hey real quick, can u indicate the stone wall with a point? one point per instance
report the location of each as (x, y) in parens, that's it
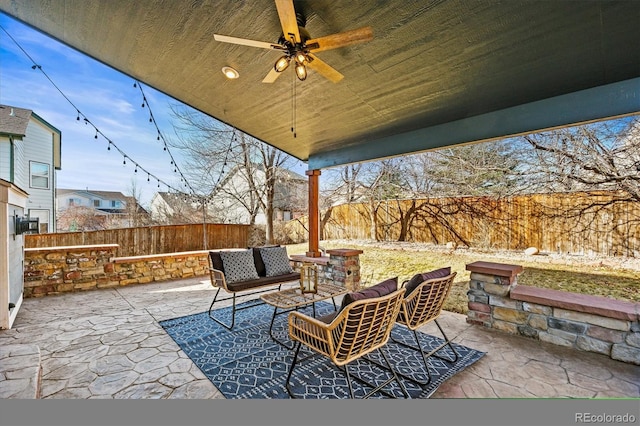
(583, 322)
(56, 270)
(161, 267)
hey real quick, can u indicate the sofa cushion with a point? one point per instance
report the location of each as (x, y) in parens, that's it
(257, 260)
(276, 261)
(381, 289)
(418, 279)
(262, 282)
(238, 265)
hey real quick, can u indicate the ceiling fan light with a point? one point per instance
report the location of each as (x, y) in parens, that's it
(281, 64)
(301, 58)
(301, 72)
(230, 73)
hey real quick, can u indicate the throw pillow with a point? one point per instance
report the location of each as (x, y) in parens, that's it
(257, 260)
(380, 289)
(238, 266)
(418, 279)
(276, 261)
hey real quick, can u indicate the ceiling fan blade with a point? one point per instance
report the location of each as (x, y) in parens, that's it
(325, 69)
(340, 39)
(246, 42)
(287, 15)
(272, 76)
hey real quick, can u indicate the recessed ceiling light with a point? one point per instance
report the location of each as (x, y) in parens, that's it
(230, 72)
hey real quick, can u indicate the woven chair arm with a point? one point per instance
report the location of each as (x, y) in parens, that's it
(217, 278)
(311, 332)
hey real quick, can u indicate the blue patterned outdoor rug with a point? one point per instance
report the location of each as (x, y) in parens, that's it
(247, 363)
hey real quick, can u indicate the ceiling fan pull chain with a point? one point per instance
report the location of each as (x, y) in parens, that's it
(293, 106)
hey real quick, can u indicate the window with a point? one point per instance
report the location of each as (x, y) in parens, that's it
(43, 215)
(115, 203)
(96, 203)
(39, 175)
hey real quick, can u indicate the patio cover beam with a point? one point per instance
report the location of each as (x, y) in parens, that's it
(314, 213)
(609, 101)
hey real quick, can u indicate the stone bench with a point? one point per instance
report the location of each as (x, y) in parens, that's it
(580, 321)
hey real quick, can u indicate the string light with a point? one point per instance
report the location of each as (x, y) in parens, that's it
(109, 141)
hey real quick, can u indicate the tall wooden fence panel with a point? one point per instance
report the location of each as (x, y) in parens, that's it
(578, 223)
(151, 239)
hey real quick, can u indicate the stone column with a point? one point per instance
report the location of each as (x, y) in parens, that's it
(489, 284)
(345, 267)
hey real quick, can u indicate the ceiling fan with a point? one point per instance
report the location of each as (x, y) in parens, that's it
(298, 47)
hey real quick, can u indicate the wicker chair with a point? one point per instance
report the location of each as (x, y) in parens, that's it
(420, 307)
(360, 328)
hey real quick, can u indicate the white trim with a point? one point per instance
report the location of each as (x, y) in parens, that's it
(14, 312)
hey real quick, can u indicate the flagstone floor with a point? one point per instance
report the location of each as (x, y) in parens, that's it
(108, 344)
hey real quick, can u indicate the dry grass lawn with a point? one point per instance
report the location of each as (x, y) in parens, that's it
(385, 260)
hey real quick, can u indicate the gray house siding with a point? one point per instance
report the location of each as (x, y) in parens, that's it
(38, 147)
(30, 153)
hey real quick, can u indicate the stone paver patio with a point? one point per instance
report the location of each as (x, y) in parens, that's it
(108, 344)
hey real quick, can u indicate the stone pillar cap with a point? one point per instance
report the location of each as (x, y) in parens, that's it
(497, 269)
(345, 252)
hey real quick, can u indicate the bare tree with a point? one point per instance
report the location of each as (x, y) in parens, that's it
(136, 215)
(223, 163)
(79, 218)
(593, 157)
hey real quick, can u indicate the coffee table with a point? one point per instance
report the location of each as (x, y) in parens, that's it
(292, 299)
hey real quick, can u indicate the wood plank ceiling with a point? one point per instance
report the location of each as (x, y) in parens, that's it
(437, 72)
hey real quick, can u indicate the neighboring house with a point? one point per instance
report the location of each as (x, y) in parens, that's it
(232, 197)
(232, 202)
(29, 156)
(88, 210)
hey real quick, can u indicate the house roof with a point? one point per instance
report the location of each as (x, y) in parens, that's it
(105, 195)
(14, 120)
(436, 73)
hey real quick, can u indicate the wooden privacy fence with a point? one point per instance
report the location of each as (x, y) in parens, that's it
(150, 239)
(578, 223)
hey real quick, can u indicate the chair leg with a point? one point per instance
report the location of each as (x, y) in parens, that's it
(234, 307)
(424, 355)
(380, 387)
(293, 363)
(395, 375)
(448, 343)
(233, 312)
(346, 373)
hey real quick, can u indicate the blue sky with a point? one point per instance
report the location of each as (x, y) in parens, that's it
(104, 96)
